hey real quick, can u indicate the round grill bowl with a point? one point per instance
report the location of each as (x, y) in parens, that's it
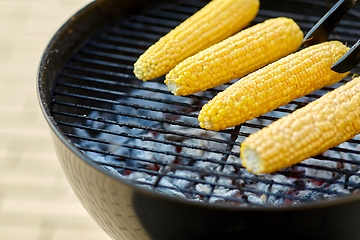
(126, 210)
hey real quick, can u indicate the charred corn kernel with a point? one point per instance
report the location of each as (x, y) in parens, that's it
(306, 132)
(280, 82)
(216, 21)
(236, 56)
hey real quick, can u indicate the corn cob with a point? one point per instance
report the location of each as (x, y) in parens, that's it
(235, 56)
(216, 21)
(273, 86)
(311, 130)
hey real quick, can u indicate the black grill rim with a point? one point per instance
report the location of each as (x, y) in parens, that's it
(75, 149)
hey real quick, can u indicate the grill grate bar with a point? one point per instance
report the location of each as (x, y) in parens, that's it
(297, 17)
(156, 21)
(144, 138)
(100, 71)
(123, 75)
(109, 55)
(333, 170)
(127, 104)
(343, 24)
(180, 123)
(117, 83)
(122, 31)
(188, 10)
(120, 164)
(166, 14)
(323, 186)
(196, 3)
(119, 94)
(354, 141)
(236, 177)
(242, 176)
(104, 141)
(345, 150)
(126, 40)
(129, 125)
(103, 63)
(114, 47)
(146, 28)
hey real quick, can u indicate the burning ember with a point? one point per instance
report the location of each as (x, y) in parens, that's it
(155, 141)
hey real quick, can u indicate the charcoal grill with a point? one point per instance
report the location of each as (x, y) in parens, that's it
(137, 159)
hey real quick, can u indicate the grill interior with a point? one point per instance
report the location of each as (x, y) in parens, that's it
(139, 131)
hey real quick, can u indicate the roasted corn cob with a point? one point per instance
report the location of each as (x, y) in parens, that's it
(235, 56)
(311, 130)
(216, 21)
(273, 86)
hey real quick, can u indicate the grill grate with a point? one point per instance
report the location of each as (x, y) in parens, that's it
(140, 131)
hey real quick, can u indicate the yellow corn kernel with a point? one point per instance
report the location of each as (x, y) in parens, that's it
(236, 56)
(306, 132)
(280, 82)
(216, 21)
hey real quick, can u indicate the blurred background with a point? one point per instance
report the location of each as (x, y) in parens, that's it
(36, 201)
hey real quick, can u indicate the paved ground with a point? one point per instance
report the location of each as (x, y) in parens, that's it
(36, 202)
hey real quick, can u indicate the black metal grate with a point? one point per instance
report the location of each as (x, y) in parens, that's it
(140, 131)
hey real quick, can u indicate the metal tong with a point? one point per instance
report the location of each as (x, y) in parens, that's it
(325, 26)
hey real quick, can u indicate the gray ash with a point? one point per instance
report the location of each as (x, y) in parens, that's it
(160, 147)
